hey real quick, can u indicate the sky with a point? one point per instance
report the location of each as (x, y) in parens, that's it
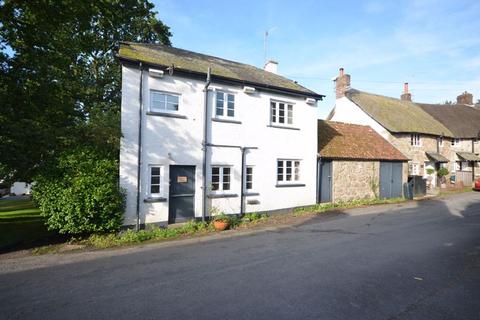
(433, 45)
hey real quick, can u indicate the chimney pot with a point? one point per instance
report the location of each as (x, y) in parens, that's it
(406, 96)
(342, 84)
(465, 98)
(271, 66)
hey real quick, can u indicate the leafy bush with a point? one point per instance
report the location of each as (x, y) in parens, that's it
(442, 172)
(253, 216)
(430, 171)
(80, 194)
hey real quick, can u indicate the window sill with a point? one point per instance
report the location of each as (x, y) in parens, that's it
(290, 185)
(150, 199)
(226, 120)
(166, 114)
(282, 127)
(251, 194)
(222, 195)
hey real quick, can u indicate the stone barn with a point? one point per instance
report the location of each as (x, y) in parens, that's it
(355, 162)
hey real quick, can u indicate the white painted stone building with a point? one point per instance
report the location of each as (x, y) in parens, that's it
(254, 151)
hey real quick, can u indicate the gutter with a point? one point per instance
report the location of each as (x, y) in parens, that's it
(139, 154)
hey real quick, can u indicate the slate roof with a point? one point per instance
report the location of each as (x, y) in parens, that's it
(468, 156)
(437, 157)
(166, 56)
(463, 121)
(338, 140)
(397, 116)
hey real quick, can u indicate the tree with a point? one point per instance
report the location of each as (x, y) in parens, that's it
(60, 81)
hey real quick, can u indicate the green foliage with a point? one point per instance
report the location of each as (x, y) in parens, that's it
(430, 171)
(253, 217)
(80, 194)
(442, 172)
(60, 85)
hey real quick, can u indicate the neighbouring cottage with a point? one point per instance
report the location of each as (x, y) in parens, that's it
(420, 136)
(200, 132)
(462, 152)
(355, 162)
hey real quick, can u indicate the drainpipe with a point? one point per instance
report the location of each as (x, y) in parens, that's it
(243, 179)
(473, 162)
(139, 155)
(319, 161)
(205, 148)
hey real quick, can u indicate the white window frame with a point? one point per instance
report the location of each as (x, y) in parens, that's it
(225, 107)
(160, 184)
(414, 168)
(221, 177)
(251, 175)
(295, 171)
(415, 140)
(153, 109)
(288, 113)
(440, 142)
(455, 142)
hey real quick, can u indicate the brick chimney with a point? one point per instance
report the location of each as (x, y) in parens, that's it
(407, 96)
(465, 98)
(342, 84)
(271, 66)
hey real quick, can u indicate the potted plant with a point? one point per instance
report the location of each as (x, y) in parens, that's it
(220, 220)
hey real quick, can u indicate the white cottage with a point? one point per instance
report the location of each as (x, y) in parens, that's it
(200, 132)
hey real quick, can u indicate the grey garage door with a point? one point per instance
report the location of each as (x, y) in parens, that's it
(390, 180)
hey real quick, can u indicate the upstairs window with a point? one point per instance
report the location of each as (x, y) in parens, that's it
(415, 140)
(163, 102)
(414, 168)
(221, 178)
(281, 113)
(288, 171)
(455, 142)
(440, 141)
(224, 104)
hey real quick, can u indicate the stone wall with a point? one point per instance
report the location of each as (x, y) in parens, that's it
(353, 180)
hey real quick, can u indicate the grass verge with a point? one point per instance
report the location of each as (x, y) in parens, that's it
(323, 207)
(454, 191)
(21, 224)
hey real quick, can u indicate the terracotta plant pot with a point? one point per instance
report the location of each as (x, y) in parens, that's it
(220, 225)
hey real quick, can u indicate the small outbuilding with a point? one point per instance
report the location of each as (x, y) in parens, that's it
(355, 162)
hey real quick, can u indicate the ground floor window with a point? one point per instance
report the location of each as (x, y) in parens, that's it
(221, 178)
(249, 178)
(156, 173)
(288, 171)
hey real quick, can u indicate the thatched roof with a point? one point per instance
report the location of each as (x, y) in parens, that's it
(337, 140)
(463, 121)
(398, 116)
(183, 60)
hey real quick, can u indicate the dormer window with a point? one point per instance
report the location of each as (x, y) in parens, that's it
(415, 140)
(455, 142)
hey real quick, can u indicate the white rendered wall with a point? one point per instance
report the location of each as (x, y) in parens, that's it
(173, 141)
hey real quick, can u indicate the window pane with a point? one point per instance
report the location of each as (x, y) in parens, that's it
(226, 186)
(274, 111)
(219, 104)
(155, 171)
(281, 113)
(172, 107)
(290, 114)
(215, 186)
(172, 99)
(215, 178)
(249, 170)
(279, 177)
(297, 170)
(226, 171)
(215, 170)
(155, 189)
(288, 170)
(231, 98)
(219, 111)
(230, 112)
(155, 180)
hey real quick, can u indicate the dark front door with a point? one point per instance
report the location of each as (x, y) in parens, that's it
(390, 180)
(182, 193)
(326, 181)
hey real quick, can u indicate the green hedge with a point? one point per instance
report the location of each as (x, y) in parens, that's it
(81, 193)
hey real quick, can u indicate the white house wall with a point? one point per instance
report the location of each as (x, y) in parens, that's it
(173, 141)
